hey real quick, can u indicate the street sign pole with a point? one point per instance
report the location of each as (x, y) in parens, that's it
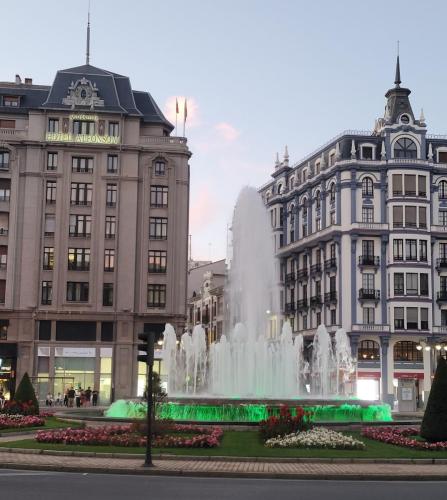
(149, 397)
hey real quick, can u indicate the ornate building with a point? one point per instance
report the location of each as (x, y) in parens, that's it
(94, 196)
(361, 232)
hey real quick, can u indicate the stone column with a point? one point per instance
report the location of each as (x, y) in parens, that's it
(385, 394)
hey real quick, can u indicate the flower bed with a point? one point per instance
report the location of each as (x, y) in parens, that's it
(318, 437)
(402, 437)
(20, 421)
(125, 435)
(13, 407)
(285, 423)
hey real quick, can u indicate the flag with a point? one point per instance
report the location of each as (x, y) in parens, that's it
(176, 106)
(186, 110)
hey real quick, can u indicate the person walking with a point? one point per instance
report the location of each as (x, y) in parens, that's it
(71, 397)
(95, 397)
(88, 396)
(78, 397)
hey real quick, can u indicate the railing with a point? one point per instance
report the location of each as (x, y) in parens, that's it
(72, 266)
(12, 133)
(378, 226)
(369, 260)
(369, 294)
(4, 197)
(4, 231)
(3, 265)
(441, 296)
(330, 297)
(302, 304)
(79, 234)
(441, 262)
(315, 300)
(442, 229)
(330, 263)
(302, 274)
(371, 327)
(315, 268)
(163, 140)
(290, 277)
(290, 307)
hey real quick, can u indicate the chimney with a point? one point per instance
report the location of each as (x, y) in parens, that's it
(18, 80)
(28, 81)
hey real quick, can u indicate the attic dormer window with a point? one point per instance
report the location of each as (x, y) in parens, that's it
(11, 101)
(405, 148)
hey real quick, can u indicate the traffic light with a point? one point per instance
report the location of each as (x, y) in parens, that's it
(147, 346)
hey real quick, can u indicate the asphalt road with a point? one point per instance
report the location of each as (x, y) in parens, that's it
(35, 485)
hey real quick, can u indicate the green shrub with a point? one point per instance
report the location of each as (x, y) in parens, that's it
(26, 396)
(434, 423)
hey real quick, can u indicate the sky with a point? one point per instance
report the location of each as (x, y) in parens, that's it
(258, 75)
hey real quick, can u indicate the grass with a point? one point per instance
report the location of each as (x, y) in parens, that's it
(50, 423)
(247, 444)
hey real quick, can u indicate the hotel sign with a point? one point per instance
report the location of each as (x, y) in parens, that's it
(82, 138)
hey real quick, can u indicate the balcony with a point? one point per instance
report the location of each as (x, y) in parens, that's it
(441, 263)
(290, 277)
(369, 261)
(370, 327)
(302, 305)
(302, 275)
(74, 266)
(330, 297)
(369, 294)
(315, 300)
(441, 297)
(4, 231)
(315, 269)
(330, 264)
(290, 308)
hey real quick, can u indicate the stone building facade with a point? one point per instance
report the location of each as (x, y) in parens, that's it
(94, 199)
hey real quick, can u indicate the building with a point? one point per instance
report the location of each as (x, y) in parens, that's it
(94, 197)
(206, 299)
(361, 232)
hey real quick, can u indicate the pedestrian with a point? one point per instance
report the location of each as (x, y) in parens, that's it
(59, 399)
(71, 397)
(94, 397)
(78, 397)
(88, 396)
(49, 399)
(2, 400)
(66, 397)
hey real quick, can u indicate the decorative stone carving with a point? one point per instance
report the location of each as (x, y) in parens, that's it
(83, 93)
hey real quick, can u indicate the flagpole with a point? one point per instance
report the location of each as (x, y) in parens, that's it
(176, 115)
(185, 114)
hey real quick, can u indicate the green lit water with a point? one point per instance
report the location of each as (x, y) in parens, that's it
(249, 412)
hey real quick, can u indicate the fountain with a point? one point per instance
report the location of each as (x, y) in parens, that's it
(253, 362)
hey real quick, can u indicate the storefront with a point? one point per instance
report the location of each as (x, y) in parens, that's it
(8, 367)
(368, 385)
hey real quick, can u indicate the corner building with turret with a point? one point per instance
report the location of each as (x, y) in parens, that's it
(361, 234)
(94, 197)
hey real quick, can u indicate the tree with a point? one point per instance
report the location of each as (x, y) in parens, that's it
(434, 423)
(26, 396)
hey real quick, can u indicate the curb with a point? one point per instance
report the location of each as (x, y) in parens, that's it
(207, 458)
(219, 474)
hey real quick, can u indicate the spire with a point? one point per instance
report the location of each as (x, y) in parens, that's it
(87, 54)
(286, 157)
(397, 80)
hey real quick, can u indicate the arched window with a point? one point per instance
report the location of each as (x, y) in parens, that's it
(369, 350)
(332, 192)
(279, 189)
(442, 190)
(292, 215)
(305, 209)
(318, 200)
(406, 351)
(291, 182)
(367, 187)
(405, 148)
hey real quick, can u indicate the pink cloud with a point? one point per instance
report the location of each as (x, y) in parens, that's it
(203, 208)
(192, 119)
(227, 131)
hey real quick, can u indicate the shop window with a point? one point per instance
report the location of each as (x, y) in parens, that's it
(76, 331)
(369, 350)
(107, 331)
(44, 330)
(406, 351)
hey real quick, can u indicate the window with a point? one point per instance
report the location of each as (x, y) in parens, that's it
(53, 125)
(318, 224)
(332, 193)
(443, 284)
(159, 167)
(399, 318)
(11, 101)
(405, 148)
(368, 281)
(52, 161)
(107, 294)
(5, 189)
(368, 315)
(406, 351)
(83, 127)
(50, 224)
(423, 250)
(333, 316)
(422, 217)
(156, 295)
(412, 318)
(81, 164)
(412, 284)
(80, 225)
(110, 228)
(442, 156)
(410, 185)
(423, 278)
(114, 129)
(367, 152)
(398, 249)
(443, 251)
(397, 184)
(332, 218)
(367, 187)
(398, 216)
(159, 196)
(48, 258)
(112, 164)
(47, 292)
(318, 200)
(4, 160)
(442, 190)
(2, 292)
(424, 318)
(50, 195)
(410, 216)
(368, 248)
(79, 259)
(77, 291)
(109, 259)
(422, 185)
(81, 193)
(443, 218)
(368, 214)
(411, 250)
(399, 284)
(3, 256)
(368, 350)
(304, 322)
(111, 194)
(281, 216)
(157, 261)
(158, 228)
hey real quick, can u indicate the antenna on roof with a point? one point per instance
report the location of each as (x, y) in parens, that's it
(397, 80)
(87, 58)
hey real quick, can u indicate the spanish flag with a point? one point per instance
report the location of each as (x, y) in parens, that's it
(186, 109)
(176, 106)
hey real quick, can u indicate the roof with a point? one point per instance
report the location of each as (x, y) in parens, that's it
(114, 89)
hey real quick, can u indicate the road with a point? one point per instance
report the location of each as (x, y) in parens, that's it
(36, 485)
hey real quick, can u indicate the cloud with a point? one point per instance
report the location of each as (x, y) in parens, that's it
(192, 119)
(203, 208)
(227, 131)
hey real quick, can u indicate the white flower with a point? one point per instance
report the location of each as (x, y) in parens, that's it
(318, 437)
